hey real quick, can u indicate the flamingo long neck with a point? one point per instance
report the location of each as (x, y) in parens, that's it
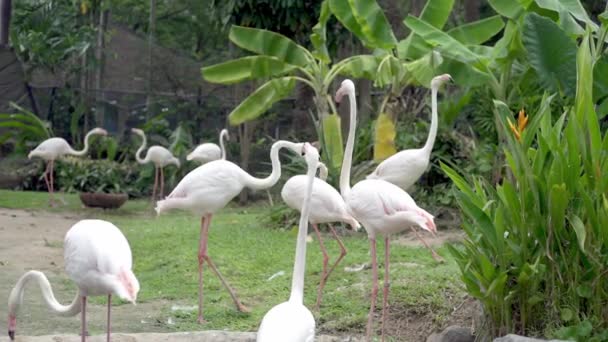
(350, 143)
(299, 268)
(141, 149)
(265, 183)
(223, 135)
(16, 296)
(430, 141)
(85, 149)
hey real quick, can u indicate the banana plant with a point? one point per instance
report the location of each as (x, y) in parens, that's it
(411, 61)
(282, 63)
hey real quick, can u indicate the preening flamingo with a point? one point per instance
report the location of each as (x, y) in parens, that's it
(157, 155)
(291, 320)
(207, 189)
(207, 152)
(381, 207)
(53, 148)
(327, 206)
(98, 259)
(406, 167)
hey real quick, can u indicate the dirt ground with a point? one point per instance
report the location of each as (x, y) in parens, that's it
(41, 235)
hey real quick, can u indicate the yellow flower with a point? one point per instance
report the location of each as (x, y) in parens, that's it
(522, 122)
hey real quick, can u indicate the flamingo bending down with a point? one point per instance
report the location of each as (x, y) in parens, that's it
(159, 156)
(291, 320)
(406, 167)
(382, 207)
(98, 259)
(207, 152)
(326, 206)
(207, 189)
(53, 148)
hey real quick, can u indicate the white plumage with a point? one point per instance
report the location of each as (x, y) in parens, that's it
(98, 259)
(207, 152)
(406, 167)
(291, 320)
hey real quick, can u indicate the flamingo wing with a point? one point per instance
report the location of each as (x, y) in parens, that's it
(402, 169)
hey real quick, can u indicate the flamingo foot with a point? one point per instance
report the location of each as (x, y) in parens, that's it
(201, 320)
(243, 308)
(438, 257)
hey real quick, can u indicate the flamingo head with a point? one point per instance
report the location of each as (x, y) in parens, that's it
(175, 161)
(323, 172)
(129, 286)
(426, 221)
(225, 131)
(137, 131)
(346, 87)
(439, 80)
(12, 325)
(310, 153)
(99, 131)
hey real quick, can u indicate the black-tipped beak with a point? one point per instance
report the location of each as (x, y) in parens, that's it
(11, 334)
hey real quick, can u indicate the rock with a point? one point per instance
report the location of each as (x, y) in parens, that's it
(517, 338)
(452, 333)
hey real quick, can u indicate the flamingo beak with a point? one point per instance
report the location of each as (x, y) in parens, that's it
(11, 335)
(12, 324)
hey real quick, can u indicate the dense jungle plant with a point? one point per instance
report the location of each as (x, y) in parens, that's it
(23, 128)
(86, 175)
(536, 252)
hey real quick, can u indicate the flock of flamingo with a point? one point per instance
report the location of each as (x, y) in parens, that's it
(98, 257)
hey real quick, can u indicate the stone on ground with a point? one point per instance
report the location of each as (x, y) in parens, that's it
(517, 338)
(452, 333)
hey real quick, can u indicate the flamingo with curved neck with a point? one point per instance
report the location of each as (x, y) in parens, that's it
(223, 135)
(381, 207)
(157, 155)
(207, 152)
(97, 259)
(54, 148)
(209, 188)
(291, 320)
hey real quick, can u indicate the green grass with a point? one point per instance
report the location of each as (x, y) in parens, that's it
(247, 253)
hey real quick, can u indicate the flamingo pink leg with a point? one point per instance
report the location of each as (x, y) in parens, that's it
(436, 256)
(370, 317)
(162, 182)
(203, 256)
(109, 325)
(342, 251)
(83, 333)
(155, 184)
(46, 175)
(386, 284)
(324, 271)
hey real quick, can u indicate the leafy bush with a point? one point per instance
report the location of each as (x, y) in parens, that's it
(536, 253)
(86, 175)
(24, 129)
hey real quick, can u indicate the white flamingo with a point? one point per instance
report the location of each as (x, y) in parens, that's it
(327, 206)
(54, 148)
(406, 167)
(98, 259)
(157, 155)
(291, 320)
(207, 189)
(207, 152)
(381, 207)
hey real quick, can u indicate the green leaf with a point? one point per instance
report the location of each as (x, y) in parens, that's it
(448, 46)
(584, 291)
(478, 32)
(566, 314)
(362, 66)
(507, 8)
(366, 20)
(246, 68)
(437, 12)
(332, 137)
(425, 68)
(579, 229)
(269, 43)
(572, 7)
(583, 103)
(319, 36)
(551, 53)
(262, 99)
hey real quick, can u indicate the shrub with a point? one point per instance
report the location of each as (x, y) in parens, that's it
(536, 252)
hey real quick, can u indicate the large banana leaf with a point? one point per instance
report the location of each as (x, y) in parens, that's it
(332, 138)
(448, 46)
(389, 71)
(551, 53)
(507, 8)
(246, 68)
(366, 20)
(479, 31)
(412, 47)
(384, 138)
(319, 36)
(361, 66)
(262, 99)
(425, 68)
(563, 7)
(437, 12)
(269, 43)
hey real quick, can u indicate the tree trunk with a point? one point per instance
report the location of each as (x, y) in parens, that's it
(245, 136)
(99, 72)
(5, 21)
(151, 33)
